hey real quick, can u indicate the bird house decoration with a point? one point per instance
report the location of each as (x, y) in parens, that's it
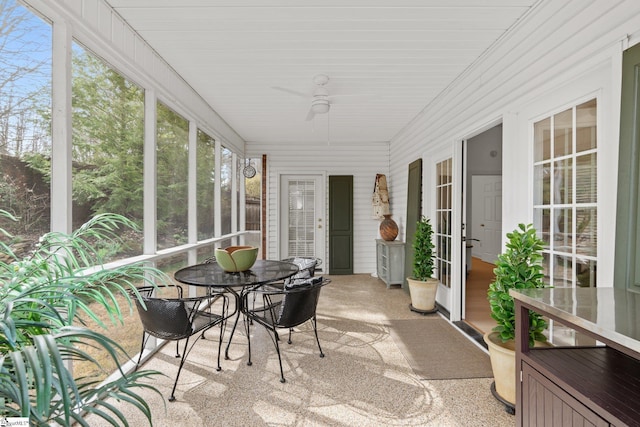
(380, 200)
(388, 227)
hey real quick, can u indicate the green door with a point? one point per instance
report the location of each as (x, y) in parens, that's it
(414, 209)
(627, 257)
(341, 224)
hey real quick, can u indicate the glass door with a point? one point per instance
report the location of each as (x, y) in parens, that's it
(302, 216)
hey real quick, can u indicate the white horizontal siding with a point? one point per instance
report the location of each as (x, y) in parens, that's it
(559, 44)
(363, 161)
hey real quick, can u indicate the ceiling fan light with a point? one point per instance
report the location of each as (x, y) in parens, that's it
(320, 106)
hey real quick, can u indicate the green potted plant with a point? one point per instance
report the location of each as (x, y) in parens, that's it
(519, 267)
(45, 298)
(422, 286)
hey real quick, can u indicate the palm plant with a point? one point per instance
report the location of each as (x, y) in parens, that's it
(44, 298)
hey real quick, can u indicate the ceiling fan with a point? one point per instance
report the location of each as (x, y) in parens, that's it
(320, 98)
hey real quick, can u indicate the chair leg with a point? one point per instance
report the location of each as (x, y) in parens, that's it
(177, 350)
(219, 368)
(279, 358)
(289, 340)
(235, 324)
(247, 329)
(184, 356)
(141, 351)
(315, 330)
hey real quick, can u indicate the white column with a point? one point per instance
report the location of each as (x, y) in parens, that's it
(234, 194)
(150, 178)
(217, 192)
(61, 129)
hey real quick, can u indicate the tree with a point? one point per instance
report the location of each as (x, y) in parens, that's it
(107, 122)
(25, 80)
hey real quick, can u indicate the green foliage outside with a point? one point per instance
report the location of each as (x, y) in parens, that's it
(108, 141)
(423, 256)
(44, 298)
(519, 267)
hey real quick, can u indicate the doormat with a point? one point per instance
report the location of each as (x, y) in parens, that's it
(436, 350)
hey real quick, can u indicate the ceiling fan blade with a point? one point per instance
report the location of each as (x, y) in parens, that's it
(310, 115)
(290, 91)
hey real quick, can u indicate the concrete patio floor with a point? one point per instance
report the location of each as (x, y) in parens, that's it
(364, 379)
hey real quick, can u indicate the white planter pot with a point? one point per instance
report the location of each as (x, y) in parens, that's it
(423, 294)
(503, 364)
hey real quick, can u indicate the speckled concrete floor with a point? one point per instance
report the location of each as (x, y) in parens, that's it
(364, 380)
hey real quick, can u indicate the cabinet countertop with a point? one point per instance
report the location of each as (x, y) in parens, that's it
(611, 313)
(390, 242)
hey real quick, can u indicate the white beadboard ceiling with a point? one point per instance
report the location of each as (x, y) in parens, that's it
(386, 59)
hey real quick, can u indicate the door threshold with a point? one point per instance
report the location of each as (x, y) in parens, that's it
(472, 332)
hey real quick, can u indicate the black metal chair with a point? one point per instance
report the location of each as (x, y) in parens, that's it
(175, 319)
(306, 267)
(286, 307)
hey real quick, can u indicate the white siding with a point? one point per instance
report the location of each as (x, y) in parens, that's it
(363, 161)
(561, 52)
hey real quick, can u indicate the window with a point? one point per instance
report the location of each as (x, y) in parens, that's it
(107, 123)
(253, 198)
(444, 188)
(565, 194)
(25, 122)
(225, 189)
(206, 161)
(172, 171)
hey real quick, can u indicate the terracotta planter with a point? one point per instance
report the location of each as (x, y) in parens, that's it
(503, 364)
(423, 295)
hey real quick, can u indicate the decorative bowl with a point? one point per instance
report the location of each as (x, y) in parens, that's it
(236, 258)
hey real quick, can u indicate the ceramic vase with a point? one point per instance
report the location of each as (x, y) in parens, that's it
(388, 229)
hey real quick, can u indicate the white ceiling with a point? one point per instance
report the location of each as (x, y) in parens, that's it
(392, 57)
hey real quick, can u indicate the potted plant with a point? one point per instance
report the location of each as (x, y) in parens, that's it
(423, 287)
(519, 267)
(45, 298)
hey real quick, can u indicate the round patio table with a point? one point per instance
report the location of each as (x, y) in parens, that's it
(211, 275)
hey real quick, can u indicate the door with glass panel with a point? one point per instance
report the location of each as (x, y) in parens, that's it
(442, 229)
(302, 216)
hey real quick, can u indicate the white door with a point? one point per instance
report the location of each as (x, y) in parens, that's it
(302, 216)
(441, 186)
(486, 202)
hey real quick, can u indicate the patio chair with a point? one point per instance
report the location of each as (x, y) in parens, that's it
(175, 319)
(286, 307)
(306, 267)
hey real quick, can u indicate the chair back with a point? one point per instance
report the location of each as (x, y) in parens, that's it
(299, 303)
(306, 267)
(164, 318)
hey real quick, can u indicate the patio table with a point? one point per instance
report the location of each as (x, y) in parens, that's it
(211, 275)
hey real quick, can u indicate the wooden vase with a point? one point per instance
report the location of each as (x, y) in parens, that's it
(388, 229)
